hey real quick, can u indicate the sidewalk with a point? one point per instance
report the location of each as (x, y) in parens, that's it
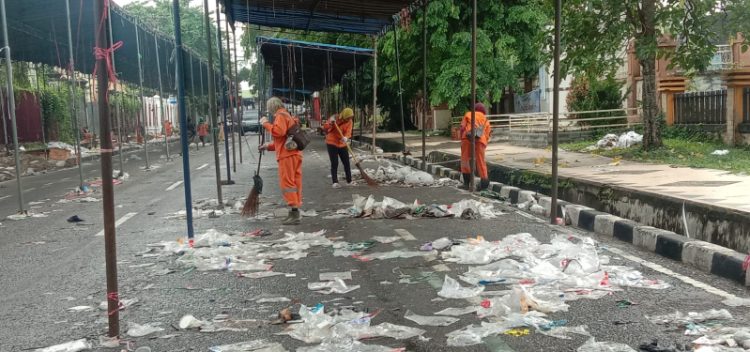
(720, 194)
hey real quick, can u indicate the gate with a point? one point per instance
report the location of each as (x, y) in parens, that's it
(746, 105)
(707, 108)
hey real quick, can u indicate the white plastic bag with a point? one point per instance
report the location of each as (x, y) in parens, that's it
(452, 289)
(592, 346)
(72, 346)
(429, 320)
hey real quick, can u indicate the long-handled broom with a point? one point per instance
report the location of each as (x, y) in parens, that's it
(370, 181)
(253, 199)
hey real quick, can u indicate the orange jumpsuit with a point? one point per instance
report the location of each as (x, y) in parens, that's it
(290, 161)
(481, 144)
(333, 137)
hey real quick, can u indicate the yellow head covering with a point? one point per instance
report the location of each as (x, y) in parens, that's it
(346, 113)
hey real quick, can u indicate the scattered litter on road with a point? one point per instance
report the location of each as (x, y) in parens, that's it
(109, 342)
(28, 215)
(254, 346)
(429, 320)
(72, 346)
(81, 309)
(348, 345)
(308, 213)
(137, 330)
(345, 275)
(328, 287)
(685, 320)
(452, 289)
(390, 208)
(440, 243)
(273, 300)
(593, 346)
(393, 254)
(386, 239)
(457, 311)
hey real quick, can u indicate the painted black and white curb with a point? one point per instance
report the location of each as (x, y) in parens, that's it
(717, 260)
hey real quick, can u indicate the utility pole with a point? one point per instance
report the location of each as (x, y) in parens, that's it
(118, 111)
(181, 110)
(472, 140)
(140, 91)
(230, 94)
(103, 70)
(12, 109)
(73, 98)
(213, 114)
(555, 111)
(223, 95)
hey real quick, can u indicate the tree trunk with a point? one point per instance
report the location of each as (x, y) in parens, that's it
(647, 59)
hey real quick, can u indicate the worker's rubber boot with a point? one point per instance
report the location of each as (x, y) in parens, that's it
(293, 218)
(467, 181)
(483, 184)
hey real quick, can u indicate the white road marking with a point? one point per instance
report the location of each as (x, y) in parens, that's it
(695, 283)
(202, 167)
(405, 235)
(174, 185)
(119, 222)
(29, 189)
(3, 197)
(65, 179)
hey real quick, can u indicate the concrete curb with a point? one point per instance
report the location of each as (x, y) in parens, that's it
(711, 258)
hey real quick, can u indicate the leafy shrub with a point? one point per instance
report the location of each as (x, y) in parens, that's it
(590, 95)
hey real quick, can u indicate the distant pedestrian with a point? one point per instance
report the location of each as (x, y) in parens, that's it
(167, 128)
(479, 136)
(288, 157)
(336, 142)
(202, 131)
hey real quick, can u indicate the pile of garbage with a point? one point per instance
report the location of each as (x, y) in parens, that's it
(542, 278)
(208, 208)
(394, 174)
(390, 208)
(71, 148)
(610, 141)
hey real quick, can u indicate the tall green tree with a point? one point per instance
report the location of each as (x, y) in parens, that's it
(595, 34)
(158, 15)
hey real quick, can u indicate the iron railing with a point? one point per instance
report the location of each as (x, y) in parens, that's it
(569, 121)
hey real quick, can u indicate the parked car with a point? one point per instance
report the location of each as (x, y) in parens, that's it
(250, 124)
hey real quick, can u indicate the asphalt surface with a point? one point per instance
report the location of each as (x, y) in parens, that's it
(50, 265)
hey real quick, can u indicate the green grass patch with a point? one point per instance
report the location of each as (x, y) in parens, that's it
(678, 151)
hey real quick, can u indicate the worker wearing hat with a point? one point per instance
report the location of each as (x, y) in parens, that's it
(336, 142)
(479, 136)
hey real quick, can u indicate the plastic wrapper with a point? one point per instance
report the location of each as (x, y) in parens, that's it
(386, 239)
(457, 311)
(347, 345)
(137, 330)
(680, 319)
(473, 334)
(483, 210)
(190, 322)
(593, 346)
(344, 275)
(72, 346)
(328, 287)
(429, 320)
(395, 254)
(254, 346)
(452, 289)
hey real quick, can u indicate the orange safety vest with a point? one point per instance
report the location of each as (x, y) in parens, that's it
(333, 137)
(480, 122)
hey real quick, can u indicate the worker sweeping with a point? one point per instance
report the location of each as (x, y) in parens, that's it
(202, 131)
(479, 136)
(288, 156)
(336, 142)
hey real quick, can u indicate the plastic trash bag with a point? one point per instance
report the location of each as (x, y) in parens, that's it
(254, 346)
(483, 210)
(137, 330)
(395, 254)
(386, 239)
(720, 152)
(593, 346)
(419, 178)
(473, 334)
(190, 322)
(72, 346)
(452, 289)
(429, 320)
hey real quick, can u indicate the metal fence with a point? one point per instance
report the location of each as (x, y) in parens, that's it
(707, 108)
(569, 121)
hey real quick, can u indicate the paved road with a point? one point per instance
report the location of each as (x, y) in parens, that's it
(49, 265)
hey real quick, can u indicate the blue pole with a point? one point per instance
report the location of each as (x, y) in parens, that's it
(223, 94)
(183, 119)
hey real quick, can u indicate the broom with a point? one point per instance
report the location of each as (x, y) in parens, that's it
(251, 203)
(370, 181)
